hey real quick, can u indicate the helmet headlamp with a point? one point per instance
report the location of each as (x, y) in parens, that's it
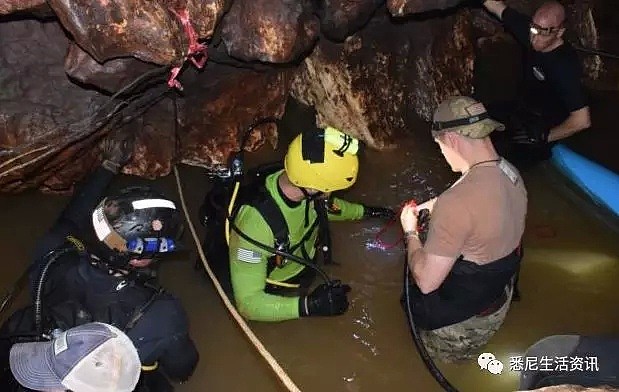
(536, 29)
(141, 246)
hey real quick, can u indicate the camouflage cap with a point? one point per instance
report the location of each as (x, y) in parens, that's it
(465, 116)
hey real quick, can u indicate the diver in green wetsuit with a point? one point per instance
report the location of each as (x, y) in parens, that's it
(316, 164)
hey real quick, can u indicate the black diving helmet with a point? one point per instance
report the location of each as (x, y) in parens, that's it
(136, 223)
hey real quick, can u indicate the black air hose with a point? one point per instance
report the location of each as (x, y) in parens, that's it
(53, 256)
(427, 360)
(423, 221)
(595, 52)
(284, 254)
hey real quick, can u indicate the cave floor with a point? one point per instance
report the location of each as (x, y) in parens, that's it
(567, 282)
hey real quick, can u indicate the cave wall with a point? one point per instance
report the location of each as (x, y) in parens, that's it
(374, 83)
(595, 24)
(38, 107)
(373, 68)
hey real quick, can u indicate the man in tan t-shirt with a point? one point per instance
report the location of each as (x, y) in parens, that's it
(463, 274)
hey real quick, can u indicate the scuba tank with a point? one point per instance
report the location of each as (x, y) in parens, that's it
(232, 188)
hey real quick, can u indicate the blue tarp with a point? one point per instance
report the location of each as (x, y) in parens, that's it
(598, 182)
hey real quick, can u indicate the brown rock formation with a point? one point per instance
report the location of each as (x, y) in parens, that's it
(595, 25)
(46, 138)
(145, 29)
(370, 85)
(341, 18)
(405, 7)
(370, 75)
(156, 141)
(274, 31)
(110, 76)
(11, 6)
(215, 113)
(38, 106)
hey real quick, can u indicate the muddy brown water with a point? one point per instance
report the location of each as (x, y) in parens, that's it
(568, 283)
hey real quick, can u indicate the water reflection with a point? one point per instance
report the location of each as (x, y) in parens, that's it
(366, 334)
(568, 283)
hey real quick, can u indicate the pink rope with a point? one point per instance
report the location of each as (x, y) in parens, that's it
(382, 244)
(196, 53)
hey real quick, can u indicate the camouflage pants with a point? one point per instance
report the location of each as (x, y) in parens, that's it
(461, 341)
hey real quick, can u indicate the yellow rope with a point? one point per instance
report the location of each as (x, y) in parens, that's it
(279, 371)
(230, 207)
(282, 284)
(150, 368)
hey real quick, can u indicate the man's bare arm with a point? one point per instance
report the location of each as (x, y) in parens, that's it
(429, 271)
(495, 7)
(577, 121)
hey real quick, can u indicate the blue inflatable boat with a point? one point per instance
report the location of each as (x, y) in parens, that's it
(600, 183)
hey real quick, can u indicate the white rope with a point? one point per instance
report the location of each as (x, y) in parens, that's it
(279, 371)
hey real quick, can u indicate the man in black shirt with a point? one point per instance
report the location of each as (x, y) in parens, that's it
(95, 264)
(553, 105)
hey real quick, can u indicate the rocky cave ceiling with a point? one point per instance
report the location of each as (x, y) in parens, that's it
(186, 76)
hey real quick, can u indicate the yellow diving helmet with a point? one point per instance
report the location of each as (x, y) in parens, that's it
(326, 161)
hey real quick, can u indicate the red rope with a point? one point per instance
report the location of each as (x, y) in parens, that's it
(196, 52)
(382, 244)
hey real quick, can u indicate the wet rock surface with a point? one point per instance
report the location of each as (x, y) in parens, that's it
(341, 18)
(369, 67)
(147, 30)
(10, 6)
(110, 76)
(38, 105)
(405, 7)
(214, 115)
(274, 31)
(378, 79)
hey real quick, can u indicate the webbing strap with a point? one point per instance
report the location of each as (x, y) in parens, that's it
(439, 125)
(268, 208)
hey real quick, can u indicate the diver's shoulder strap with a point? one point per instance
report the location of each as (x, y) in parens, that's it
(254, 193)
(268, 208)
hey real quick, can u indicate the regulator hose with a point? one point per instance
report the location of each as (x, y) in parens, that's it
(237, 172)
(423, 220)
(282, 253)
(595, 52)
(53, 256)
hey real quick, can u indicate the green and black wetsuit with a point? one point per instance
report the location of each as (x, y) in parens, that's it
(249, 264)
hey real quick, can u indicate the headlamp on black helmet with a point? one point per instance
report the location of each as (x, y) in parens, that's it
(137, 223)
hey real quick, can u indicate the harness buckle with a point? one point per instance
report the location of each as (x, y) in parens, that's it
(278, 259)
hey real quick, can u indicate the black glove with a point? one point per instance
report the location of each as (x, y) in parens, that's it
(378, 212)
(116, 152)
(528, 128)
(153, 381)
(326, 300)
(531, 137)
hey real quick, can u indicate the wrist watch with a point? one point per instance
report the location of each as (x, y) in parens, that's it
(411, 233)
